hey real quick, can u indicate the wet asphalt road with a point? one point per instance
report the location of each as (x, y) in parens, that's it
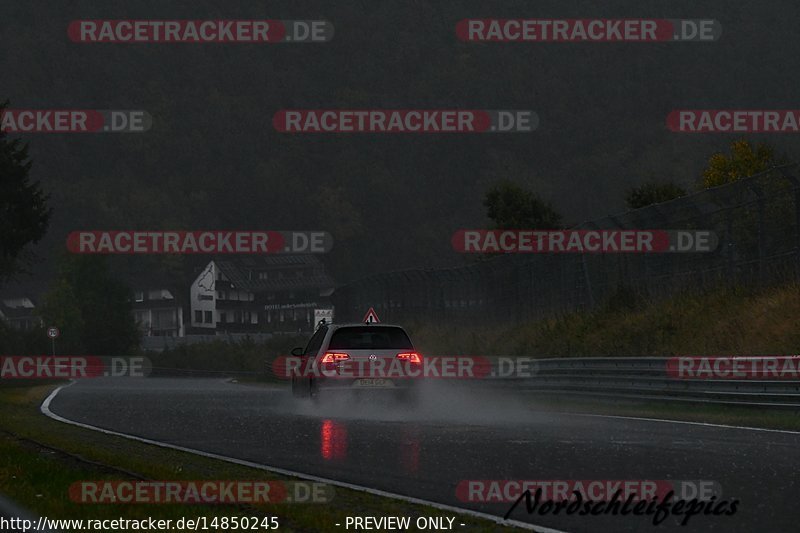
(454, 435)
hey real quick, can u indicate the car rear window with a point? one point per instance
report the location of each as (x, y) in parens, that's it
(370, 338)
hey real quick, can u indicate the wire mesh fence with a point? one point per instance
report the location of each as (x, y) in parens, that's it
(756, 220)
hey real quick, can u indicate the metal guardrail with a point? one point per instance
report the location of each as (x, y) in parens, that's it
(632, 378)
(646, 378)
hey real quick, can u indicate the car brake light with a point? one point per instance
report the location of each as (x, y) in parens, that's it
(334, 357)
(411, 357)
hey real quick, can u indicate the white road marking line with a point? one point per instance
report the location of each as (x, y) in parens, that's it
(707, 424)
(45, 409)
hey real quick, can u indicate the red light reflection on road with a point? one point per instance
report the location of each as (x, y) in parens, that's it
(333, 440)
(409, 451)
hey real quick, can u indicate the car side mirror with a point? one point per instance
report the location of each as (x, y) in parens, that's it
(297, 352)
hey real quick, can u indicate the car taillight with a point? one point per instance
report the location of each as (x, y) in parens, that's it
(411, 357)
(334, 357)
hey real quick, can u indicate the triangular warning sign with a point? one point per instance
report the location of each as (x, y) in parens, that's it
(371, 317)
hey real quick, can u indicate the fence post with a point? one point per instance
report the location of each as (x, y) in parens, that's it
(796, 190)
(761, 221)
(730, 245)
(585, 267)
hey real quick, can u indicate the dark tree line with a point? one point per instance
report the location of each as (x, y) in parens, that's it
(85, 301)
(24, 214)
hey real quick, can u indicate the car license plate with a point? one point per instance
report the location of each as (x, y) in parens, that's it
(374, 382)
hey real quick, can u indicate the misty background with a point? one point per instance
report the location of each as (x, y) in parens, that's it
(212, 159)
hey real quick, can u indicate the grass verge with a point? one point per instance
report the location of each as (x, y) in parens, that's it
(727, 321)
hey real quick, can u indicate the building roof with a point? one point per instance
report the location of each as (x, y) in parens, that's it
(243, 272)
(31, 289)
(11, 313)
(150, 273)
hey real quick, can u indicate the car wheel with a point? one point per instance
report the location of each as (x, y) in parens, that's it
(297, 388)
(301, 389)
(313, 392)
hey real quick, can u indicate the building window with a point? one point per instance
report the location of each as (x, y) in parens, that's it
(198, 316)
(222, 316)
(209, 319)
(139, 296)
